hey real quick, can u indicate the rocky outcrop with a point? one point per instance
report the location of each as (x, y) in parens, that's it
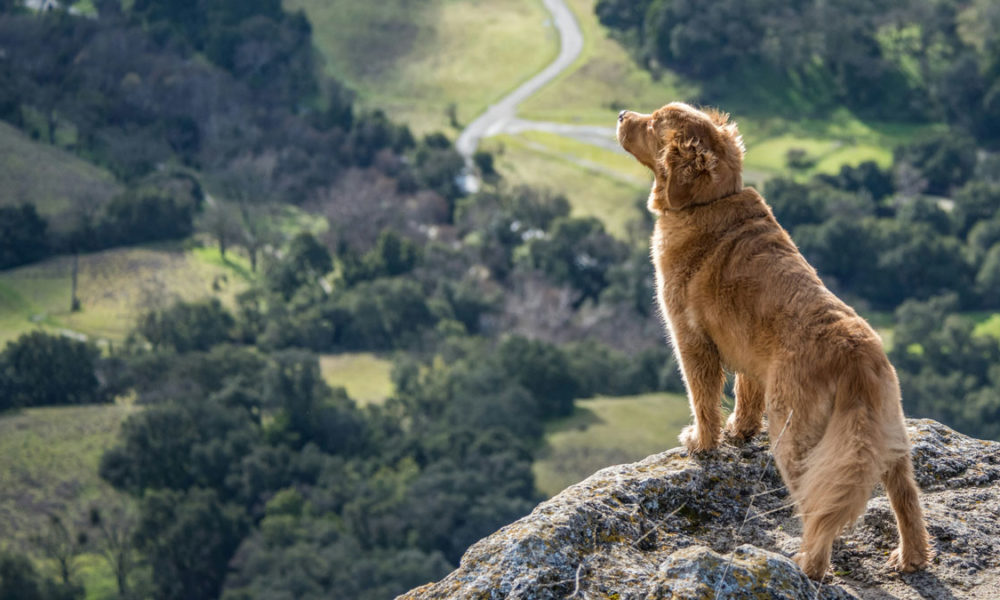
(720, 526)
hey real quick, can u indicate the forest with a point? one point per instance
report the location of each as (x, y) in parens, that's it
(243, 474)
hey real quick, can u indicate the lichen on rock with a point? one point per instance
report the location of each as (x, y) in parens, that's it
(720, 525)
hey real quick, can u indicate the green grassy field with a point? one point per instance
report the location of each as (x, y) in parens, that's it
(48, 465)
(988, 324)
(608, 431)
(597, 191)
(415, 59)
(114, 287)
(48, 177)
(48, 462)
(365, 376)
(603, 81)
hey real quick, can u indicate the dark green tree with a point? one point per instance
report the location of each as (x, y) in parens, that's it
(38, 369)
(189, 539)
(23, 236)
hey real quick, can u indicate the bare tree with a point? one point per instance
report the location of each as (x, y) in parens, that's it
(223, 221)
(62, 542)
(249, 183)
(112, 536)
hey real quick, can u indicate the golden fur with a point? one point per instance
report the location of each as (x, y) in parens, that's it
(735, 293)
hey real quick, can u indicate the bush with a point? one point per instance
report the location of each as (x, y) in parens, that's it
(187, 326)
(39, 369)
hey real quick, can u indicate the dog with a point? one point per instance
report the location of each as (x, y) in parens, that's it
(736, 294)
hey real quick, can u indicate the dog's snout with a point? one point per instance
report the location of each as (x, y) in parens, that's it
(621, 115)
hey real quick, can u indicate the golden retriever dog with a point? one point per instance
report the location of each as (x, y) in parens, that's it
(736, 294)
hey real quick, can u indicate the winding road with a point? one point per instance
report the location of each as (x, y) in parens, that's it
(501, 116)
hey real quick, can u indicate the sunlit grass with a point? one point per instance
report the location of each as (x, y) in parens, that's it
(366, 377)
(415, 59)
(603, 81)
(598, 191)
(607, 431)
(988, 326)
(114, 288)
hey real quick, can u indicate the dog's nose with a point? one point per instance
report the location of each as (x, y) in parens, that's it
(621, 116)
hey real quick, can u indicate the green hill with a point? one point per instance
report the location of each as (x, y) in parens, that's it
(50, 178)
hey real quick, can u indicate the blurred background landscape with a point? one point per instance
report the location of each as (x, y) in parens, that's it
(265, 332)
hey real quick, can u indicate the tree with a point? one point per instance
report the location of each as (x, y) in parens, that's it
(946, 160)
(62, 542)
(20, 581)
(112, 527)
(38, 369)
(189, 539)
(187, 326)
(577, 252)
(543, 370)
(23, 235)
(223, 221)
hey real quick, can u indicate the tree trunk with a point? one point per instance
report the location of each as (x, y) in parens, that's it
(74, 302)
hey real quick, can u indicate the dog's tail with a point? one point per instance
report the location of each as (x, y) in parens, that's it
(841, 471)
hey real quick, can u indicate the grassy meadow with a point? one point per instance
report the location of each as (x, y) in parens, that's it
(50, 458)
(114, 287)
(50, 178)
(592, 188)
(414, 60)
(366, 377)
(607, 431)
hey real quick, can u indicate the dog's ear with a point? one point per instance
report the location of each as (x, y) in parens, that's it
(688, 164)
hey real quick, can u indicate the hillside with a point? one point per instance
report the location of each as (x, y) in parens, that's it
(52, 179)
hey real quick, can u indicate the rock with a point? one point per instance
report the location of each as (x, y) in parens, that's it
(720, 526)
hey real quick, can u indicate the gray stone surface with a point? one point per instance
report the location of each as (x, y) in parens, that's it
(720, 526)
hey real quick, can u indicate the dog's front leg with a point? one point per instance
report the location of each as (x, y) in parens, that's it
(704, 380)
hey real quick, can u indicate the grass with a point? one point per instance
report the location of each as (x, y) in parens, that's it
(988, 326)
(598, 191)
(115, 287)
(48, 463)
(606, 431)
(414, 59)
(50, 178)
(365, 376)
(603, 81)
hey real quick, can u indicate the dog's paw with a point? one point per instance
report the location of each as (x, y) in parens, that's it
(734, 432)
(908, 561)
(696, 443)
(814, 569)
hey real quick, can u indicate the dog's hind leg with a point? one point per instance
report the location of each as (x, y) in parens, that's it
(914, 547)
(745, 421)
(704, 379)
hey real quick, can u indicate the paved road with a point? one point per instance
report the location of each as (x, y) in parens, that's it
(499, 115)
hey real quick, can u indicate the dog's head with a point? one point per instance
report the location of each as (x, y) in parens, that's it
(696, 156)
